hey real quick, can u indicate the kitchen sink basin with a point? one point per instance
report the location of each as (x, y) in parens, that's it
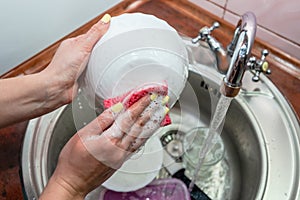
(261, 135)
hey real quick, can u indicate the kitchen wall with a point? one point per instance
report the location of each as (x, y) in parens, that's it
(27, 27)
(278, 20)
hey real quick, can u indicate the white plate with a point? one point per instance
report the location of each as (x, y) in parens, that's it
(139, 170)
(134, 45)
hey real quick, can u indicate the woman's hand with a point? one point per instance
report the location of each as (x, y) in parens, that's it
(72, 56)
(94, 153)
(30, 96)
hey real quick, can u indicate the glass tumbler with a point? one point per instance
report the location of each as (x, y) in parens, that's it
(193, 143)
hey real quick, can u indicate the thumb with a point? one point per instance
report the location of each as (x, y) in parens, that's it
(96, 32)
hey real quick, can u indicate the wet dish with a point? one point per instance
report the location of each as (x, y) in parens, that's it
(139, 170)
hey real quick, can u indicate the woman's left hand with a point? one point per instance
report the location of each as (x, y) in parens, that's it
(72, 56)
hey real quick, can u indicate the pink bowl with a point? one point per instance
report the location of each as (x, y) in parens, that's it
(159, 189)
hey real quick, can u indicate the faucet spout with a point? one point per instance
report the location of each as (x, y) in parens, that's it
(239, 49)
(221, 54)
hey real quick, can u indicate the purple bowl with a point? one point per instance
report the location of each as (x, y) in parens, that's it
(159, 189)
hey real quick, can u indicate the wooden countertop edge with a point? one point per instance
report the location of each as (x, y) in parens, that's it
(43, 58)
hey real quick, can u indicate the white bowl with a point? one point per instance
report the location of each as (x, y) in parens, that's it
(137, 49)
(139, 170)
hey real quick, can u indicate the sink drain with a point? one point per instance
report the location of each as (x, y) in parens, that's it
(173, 142)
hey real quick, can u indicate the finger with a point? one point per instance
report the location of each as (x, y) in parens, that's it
(135, 130)
(126, 119)
(98, 125)
(137, 108)
(96, 32)
(152, 116)
(114, 134)
(152, 125)
(136, 145)
(105, 119)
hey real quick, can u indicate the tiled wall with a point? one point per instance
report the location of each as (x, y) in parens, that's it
(278, 20)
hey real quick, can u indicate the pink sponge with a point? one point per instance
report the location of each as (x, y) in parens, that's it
(135, 96)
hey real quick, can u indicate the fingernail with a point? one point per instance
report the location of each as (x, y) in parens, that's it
(117, 107)
(167, 110)
(105, 19)
(153, 96)
(165, 100)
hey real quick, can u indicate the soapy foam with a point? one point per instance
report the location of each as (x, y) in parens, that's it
(156, 118)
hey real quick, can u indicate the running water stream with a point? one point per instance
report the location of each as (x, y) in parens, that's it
(214, 129)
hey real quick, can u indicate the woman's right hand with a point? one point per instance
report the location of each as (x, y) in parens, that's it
(93, 154)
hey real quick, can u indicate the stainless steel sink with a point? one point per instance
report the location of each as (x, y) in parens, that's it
(261, 135)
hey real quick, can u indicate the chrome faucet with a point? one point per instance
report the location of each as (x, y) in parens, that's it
(236, 60)
(239, 50)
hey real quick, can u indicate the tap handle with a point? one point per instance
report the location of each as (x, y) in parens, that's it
(214, 26)
(258, 66)
(205, 32)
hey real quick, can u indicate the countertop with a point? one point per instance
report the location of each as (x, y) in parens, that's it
(187, 19)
